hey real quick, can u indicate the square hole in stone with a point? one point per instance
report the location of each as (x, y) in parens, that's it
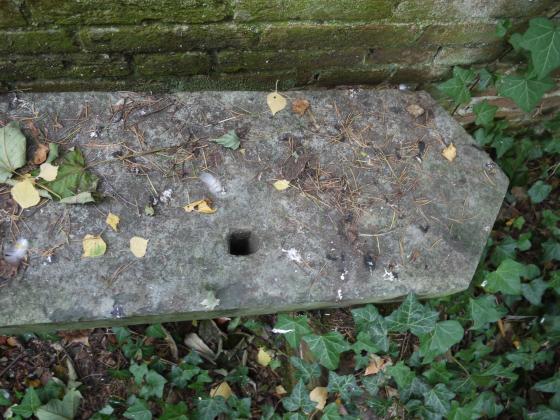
(242, 242)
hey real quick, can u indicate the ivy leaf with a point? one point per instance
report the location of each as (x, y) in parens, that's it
(72, 178)
(539, 192)
(438, 399)
(153, 386)
(138, 411)
(542, 39)
(506, 279)
(327, 348)
(156, 331)
(369, 320)
(138, 371)
(534, 291)
(293, 329)
(460, 412)
(4, 398)
(485, 405)
(551, 250)
(330, 412)
(229, 140)
(12, 150)
(502, 144)
(550, 385)
(210, 408)
(60, 410)
(525, 92)
(502, 28)
(483, 311)
(402, 374)
(174, 411)
(484, 113)
(28, 405)
(182, 374)
(413, 316)
(344, 385)
(305, 371)
(458, 86)
(445, 335)
(299, 399)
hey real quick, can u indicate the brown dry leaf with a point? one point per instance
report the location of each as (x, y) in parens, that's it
(299, 106)
(25, 194)
(450, 152)
(94, 246)
(113, 221)
(75, 337)
(222, 390)
(40, 154)
(377, 364)
(200, 206)
(319, 395)
(138, 246)
(415, 110)
(280, 390)
(263, 357)
(282, 184)
(276, 102)
(13, 342)
(48, 172)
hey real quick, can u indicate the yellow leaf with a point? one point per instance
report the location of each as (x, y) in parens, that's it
(94, 246)
(201, 206)
(138, 246)
(276, 102)
(48, 172)
(319, 395)
(415, 110)
(377, 363)
(263, 357)
(280, 390)
(113, 220)
(25, 194)
(222, 390)
(282, 184)
(450, 152)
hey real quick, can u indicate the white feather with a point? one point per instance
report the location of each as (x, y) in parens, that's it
(17, 252)
(212, 183)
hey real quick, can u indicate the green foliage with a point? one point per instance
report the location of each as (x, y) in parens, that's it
(294, 328)
(229, 140)
(458, 87)
(525, 91)
(344, 386)
(539, 191)
(327, 348)
(412, 316)
(12, 150)
(299, 399)
(444, 335)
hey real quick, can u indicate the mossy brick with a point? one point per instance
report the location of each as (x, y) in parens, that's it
(37, 41)
(460, 34)
(10, 15)
(90, 66)
(274, 10)
(161, 38)
(30, 67)
(351, 76)
(286, 79)
(457, 56)
(405, 55)
(459, 10)
(125, 12)
(174, 64)
(233, 61)
(421, 73)
(337, 35)
(102, 84)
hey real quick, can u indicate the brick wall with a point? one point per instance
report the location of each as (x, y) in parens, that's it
(246, 44)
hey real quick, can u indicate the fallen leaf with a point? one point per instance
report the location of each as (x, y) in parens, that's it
(25, 194)
(48, 172)
(149, 210)
(113, 221)
(263, 357)
(210, 302)
(94, 246)
(299, 106)
(222, 390)
(12, 150)
(319, 395)
(377, 364)
(280, 390)
(194, 342)
(276, 102)
(40, 154)
(415, 110)
(13, 342)
(138, 246)
(450, 152)
(53, 152)
(229, 140)
(75, 337)
(81, 198)
(282, 184)
(200, 206)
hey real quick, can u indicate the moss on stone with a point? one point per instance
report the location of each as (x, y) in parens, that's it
(454, 56)
(126, 12)
(10, 16)
(273, 10)
(349, 76)
(40, 41)
(180, 64)
(403, 55)
(159, 38)
(459, 34)
(337, 35)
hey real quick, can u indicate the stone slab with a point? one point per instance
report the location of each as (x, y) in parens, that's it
(373, 213)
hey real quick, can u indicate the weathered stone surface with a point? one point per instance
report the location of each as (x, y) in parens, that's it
(272, 10)
(41, 41)
(453, 56)
(180, 64)
(107, 12)
(366, 219)
(10, 15)
(460, 34)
